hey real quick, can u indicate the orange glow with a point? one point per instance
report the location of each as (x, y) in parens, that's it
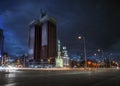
(89, 62)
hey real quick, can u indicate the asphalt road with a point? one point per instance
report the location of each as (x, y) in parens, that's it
(74, 78)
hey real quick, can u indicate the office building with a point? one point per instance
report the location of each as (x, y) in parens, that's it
(1, 42)
(42, 39)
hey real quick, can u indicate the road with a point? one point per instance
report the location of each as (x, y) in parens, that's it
(70, 78)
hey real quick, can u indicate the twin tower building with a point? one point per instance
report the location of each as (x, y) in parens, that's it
(43, 39)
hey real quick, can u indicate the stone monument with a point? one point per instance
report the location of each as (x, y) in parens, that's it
(59, 60)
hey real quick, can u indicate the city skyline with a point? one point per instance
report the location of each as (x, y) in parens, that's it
(97, 20)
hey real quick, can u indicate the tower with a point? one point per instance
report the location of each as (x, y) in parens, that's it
(42, 39)
(1, 42)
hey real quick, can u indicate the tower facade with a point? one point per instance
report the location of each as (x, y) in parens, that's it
(42, 40)
(1, 42)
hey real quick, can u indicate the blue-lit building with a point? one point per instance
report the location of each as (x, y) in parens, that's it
(1, 43)
(42, 40)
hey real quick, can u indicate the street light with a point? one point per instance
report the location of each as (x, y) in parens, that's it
(101, 54)
(98, 50)
(97, 55)
(82, 37)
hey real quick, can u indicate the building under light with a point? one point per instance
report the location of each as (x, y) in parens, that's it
(42, 40)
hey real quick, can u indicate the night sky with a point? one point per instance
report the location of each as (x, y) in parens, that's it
(97, 20)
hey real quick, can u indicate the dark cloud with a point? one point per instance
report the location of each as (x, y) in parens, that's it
(97, 20)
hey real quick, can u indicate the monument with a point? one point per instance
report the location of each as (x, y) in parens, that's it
(59, 60)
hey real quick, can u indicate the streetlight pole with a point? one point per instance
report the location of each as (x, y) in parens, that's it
(85, 58)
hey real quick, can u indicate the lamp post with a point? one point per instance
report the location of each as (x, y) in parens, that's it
(80, 37)
(97, 55)
(102, 56)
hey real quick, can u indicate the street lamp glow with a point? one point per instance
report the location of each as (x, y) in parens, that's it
(79, 37)
(98, 50)
(95, 54)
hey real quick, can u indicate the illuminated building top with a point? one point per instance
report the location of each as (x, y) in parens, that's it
(42, 20)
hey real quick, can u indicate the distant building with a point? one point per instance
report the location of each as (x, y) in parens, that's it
(1, 42)
(42, 39)
(65, 57)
